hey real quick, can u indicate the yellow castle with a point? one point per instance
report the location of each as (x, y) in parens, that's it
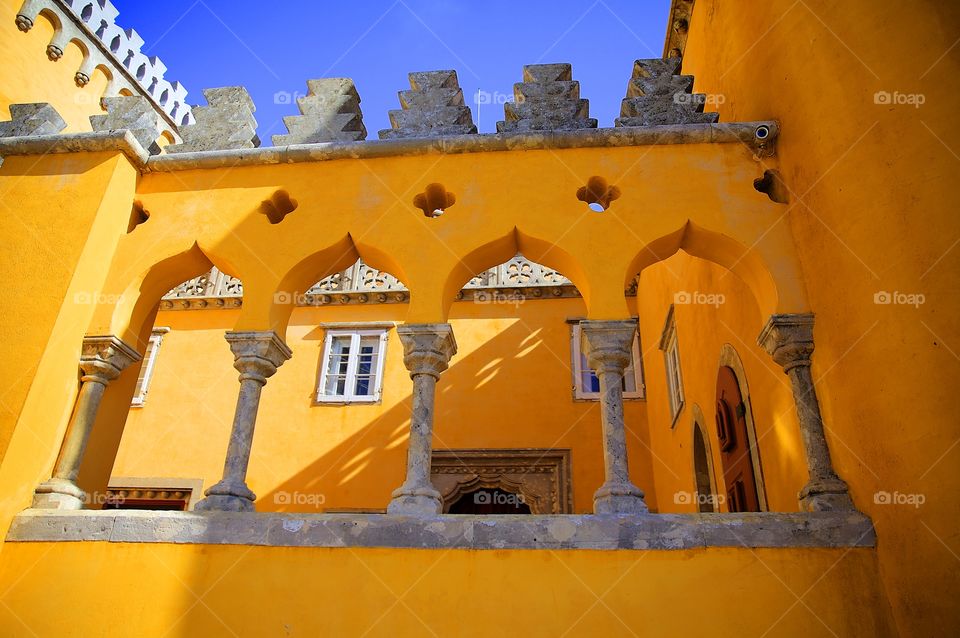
(690, 374)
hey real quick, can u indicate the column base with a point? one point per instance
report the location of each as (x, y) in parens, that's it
(827, 495)
(624, 498)
(416, 501)
(227, 497)
(59, 494)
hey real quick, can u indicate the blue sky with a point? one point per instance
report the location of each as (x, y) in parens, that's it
(273, 47)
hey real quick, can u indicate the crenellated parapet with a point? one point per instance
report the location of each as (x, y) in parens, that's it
(117, 51)
(433, 107)
(548, 99)
(32, 119)
(133, 113)
(225, 123)
(329, 112)
(657, 94)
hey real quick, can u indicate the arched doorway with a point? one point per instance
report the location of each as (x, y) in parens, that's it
(703, 470)
(735, 450)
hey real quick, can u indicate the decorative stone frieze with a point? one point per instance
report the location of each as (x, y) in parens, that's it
(329, 112)
(514, 281)
(107, 44)
(548, 99)
(38, 118)
(657, 95)
(427, 349)
(677, 28)
(226, 123)
(608, 346)
(433, 107)
(257, 355)
(133, 113)
(102, 359)
(788, 338)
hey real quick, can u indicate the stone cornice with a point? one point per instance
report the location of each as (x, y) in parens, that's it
(721, 133)
(560, 532)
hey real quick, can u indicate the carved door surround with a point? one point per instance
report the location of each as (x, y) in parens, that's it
(541, 476)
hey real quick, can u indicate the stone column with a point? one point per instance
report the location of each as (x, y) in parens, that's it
(608, 346)
(102, 359)
(427, 349)
(257, 355)
(789, 339)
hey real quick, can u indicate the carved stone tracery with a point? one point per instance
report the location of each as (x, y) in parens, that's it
(540, 476)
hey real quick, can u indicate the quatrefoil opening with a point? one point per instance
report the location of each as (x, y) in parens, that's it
(598, 194)
(278, 206)
(434, 200)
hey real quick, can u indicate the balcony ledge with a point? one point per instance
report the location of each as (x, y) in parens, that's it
(608, 532)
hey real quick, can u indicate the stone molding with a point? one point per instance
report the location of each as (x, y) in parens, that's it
(106, 44)
(124, 142)
(574, 532)
(541, 476)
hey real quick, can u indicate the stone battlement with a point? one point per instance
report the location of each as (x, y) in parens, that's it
(105, 44)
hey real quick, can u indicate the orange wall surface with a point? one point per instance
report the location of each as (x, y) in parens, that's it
(509, 386)
(873, 211)
(110, 589)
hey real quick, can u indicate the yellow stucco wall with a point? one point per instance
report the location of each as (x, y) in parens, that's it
(154, 590)
(509, 386)
(872, 211)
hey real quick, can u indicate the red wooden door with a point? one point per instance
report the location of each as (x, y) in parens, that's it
(738, 476)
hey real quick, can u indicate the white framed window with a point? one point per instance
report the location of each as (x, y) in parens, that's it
(146, 368)
(586, 385)
(351, 369)
(671, 359)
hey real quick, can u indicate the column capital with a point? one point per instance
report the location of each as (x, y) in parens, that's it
(104, 357)
(257, 354)
(788, 338)
(427, 347)
(608, 344)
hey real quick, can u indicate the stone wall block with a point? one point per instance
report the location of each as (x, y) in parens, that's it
(225, 123)
(658, 95)
(548, 99)
(433, 107)
(330, 112)
(133, 113)
(38, 118)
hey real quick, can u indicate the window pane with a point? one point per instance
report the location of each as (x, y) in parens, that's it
(336, 379)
